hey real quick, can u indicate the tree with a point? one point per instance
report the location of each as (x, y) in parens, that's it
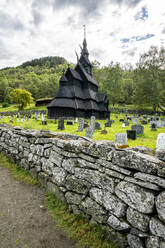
(22, 97)
(149, 80)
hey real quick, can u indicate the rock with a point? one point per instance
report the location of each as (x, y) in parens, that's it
(160, 205)
(135, 196)
(138, 233)
(43, 178)
(33, 172)
(143, 184)
(51, 187)
(69, 165)
(73, 198)
(153, 242)
(150, 178)
(109, 201)
(134, 241)
(93, 209)
(117, 224)
(142, 149)
(59, 176)
(77, 185)
(157, 228)
(137, 219)
(55, 158)
(160, 154)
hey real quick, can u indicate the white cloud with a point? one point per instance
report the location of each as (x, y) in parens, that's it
(37, 28)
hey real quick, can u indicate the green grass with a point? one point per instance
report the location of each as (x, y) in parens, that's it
(14, 107)
(148, 139)
(17, 172)
(88, 235)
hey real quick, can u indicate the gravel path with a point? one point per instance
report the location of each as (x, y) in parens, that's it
(24, 220)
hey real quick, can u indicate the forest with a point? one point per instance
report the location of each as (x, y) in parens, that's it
(142, 85)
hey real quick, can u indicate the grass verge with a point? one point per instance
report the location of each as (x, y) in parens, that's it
(88, 235)
(78, 228)
(17, 172)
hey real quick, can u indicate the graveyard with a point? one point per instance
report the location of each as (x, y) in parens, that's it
(101, 130)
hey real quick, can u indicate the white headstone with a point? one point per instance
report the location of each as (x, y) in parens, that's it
(121, 139)
(42, 117)
(160, 144)
(76, 120)
(123, 125)
(81, 125)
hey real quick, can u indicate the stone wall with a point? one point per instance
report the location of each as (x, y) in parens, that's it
(121, 189)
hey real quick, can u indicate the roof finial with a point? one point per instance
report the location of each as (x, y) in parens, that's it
(84, 31)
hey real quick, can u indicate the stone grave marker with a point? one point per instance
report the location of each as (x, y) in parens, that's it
(123, 124)
(139, 129)
(89, 133)
(61, 124)
(108, 123)
(131, 134)
(135, 121)
(121, 139)
(80, 125)
(153, 126)
(76, 120)
(126, 123)
(160, 144)
(97, 125)
(159, 124)
(92, 122)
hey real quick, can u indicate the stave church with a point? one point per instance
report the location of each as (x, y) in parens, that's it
(78, 94)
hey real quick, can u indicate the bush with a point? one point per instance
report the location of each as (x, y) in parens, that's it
(5, 104)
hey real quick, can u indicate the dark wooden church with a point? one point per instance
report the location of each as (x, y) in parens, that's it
(78, 95)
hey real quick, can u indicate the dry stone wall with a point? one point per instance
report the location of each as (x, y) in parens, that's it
(121, 189)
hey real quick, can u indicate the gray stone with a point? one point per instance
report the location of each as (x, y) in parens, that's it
(134, 241)
(51, 187)
(157, 228)
(56, 158)
(89, 133)
(153, 242)
(109, 201)
(69, 165)
(33, 173)
(97, 125)
(137, 219)
(120, 138)
(73, 198)
(93, 209)
(139, 129)
(117, 224)
(92, 123)
(142, 183)
(59, 176)
(85, 164)
(160, 205)
(43, 178)
(160, 154)
(114, 174)
(87, 157)
(162, 244)
(150, 178)
(80, 125)
(77, 185)
(135, 196)
(47, 166)
(138, 233)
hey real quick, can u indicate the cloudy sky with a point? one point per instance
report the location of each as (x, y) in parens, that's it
(117, 30)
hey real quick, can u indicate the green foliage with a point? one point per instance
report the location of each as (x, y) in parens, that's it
(45, 61)
(77, 227)
(5, 104)
(22, 97)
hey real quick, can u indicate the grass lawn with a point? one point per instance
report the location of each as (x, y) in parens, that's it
(148, 139)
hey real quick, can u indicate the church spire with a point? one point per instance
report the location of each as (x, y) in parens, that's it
(84, 55)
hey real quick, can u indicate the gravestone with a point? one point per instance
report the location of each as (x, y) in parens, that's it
(121, 139)
(153, 126)
(121, 120)
(135, 121)
(69, 123)
(144, 122)
(44, 122)
(139, 129)
(108, 123)
(159, 124)
(76, 120)
(97, 125)
(92, 122)
(80, 125)
(61, 124)
(126, 123)
(89, 133)
(160, 144)
(131, 134)
(104, 131)
(123, 124)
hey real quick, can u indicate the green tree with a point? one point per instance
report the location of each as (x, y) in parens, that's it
(22, 97)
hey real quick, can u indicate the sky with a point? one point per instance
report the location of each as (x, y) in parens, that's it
(116, 30)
